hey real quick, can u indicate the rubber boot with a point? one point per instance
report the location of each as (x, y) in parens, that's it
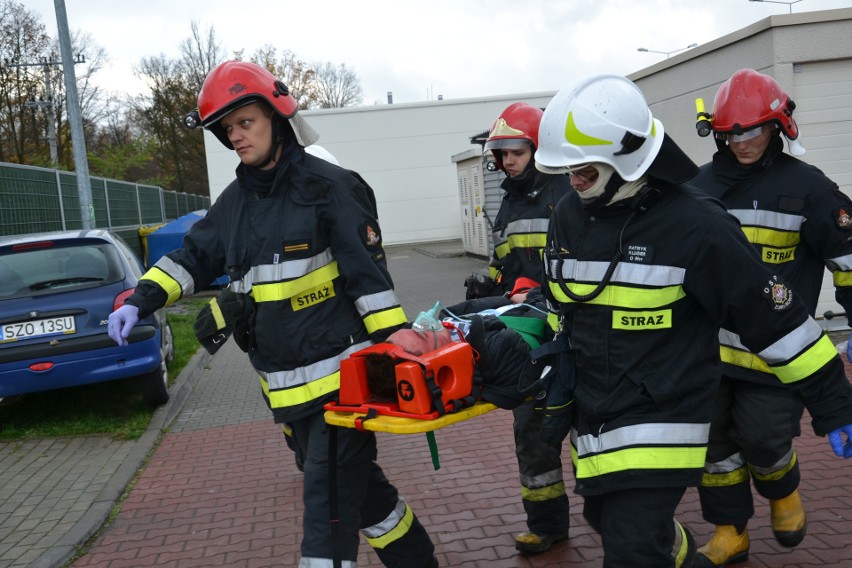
(726, 546)
(532, 543)
(788, 519)
(683, 550)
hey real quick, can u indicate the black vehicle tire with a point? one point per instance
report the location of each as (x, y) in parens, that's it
(155, 385)
(155, 390)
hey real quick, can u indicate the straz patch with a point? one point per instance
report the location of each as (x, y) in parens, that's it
(778, 293)
(312, 297)
(772, 255)
(641, 321)
(639, 253)
(843, 218)
(372, 236)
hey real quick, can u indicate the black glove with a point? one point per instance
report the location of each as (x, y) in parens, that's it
(478, 286)
(226, 314)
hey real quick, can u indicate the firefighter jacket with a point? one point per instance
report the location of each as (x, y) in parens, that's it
(646, 350)
(309, 253)
(798, 221)
(520, 227)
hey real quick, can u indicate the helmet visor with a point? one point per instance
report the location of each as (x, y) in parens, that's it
(508, 144)
(744, 136)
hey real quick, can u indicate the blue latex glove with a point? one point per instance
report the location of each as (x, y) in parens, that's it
(121, 321)
(849, 348)
(835, 438)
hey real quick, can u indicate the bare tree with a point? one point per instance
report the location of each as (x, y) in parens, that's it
(299, 77)
(199, 55)
(337, 87)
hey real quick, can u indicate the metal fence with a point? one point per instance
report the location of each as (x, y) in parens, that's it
(34, 199)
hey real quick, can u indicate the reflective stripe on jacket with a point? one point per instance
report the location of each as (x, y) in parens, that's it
(647, 359)
(310, 254)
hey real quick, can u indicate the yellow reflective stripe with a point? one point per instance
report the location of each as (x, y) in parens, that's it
(622, 296)
(501, 250)
(284, 398)
(842, 278)
(493, 272)
(384, 319)
(778, 474)
(217, 314)
(772, 237)
(396, 533)
(553, 321)
(739, 475)
(575, 136)
(543, 493)
(166, 282)
(276, 291)
(640, 458)
(743, 359)
(528, 240)
(808, 363)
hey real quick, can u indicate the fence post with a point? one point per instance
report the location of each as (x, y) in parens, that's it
(61, 203)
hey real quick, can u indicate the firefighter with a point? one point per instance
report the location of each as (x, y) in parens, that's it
(300, 237)
(518, 235)
(799, 222)
(642, 270)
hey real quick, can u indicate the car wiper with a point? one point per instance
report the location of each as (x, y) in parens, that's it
(50, 283)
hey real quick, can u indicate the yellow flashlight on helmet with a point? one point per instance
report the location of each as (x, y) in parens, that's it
(702, 124)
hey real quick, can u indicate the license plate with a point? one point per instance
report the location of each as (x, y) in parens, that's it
(37, 328)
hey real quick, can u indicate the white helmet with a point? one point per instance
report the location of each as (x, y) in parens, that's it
(603, 118)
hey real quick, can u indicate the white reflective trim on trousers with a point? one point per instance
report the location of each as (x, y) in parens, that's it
(542, 480)
(786, 348)
(377, 302)
(287, 270)
(625, 273)
(178, 273)
(654, 434)
(304, 375)
(388, 524)
(769, 219)
(727, 465)
(325, 563)
(777, 466)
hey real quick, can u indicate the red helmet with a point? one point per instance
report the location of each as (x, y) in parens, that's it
(516, 127)
(749, 99)
(234, 84)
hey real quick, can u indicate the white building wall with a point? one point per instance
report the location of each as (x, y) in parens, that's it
(404, 152)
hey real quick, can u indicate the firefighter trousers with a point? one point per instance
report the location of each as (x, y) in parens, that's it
(636, 525)
(540, 467)
(751, 439)
(365, 501)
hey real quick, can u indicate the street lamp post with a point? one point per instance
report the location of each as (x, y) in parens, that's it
(667, 53)
(788, 4)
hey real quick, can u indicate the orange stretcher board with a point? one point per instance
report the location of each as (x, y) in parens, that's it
(402, 424)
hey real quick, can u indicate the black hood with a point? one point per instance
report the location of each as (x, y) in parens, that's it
(672, 165)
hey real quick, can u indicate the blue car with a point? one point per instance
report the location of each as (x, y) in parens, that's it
(56, 293)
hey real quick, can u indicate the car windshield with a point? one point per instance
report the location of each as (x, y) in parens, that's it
(40, 270)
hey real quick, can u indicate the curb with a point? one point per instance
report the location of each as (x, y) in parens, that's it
(93, 519)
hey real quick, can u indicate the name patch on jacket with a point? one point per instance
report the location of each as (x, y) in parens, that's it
(772, 255)
(639, 253)
(312, 297)
(638, 321)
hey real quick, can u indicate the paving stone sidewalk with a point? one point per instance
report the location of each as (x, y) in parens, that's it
(222, 489)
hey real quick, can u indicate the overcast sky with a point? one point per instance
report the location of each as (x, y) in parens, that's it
(422, 49)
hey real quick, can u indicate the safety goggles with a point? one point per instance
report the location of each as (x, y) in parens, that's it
(750, 134)
(584, 173)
